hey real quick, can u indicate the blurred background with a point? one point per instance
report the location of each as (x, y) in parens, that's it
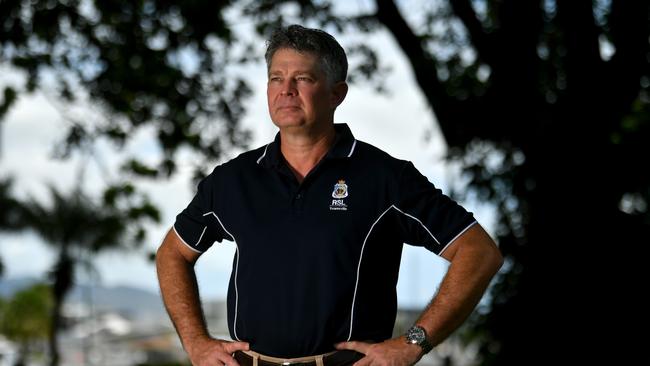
(534, 115)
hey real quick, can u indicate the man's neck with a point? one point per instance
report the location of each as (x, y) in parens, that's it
(304, 149)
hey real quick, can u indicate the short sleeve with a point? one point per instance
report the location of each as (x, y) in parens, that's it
(198, 225)
(428, 217)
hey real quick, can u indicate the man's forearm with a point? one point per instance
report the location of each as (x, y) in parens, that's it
(180, 294)
(460, 291)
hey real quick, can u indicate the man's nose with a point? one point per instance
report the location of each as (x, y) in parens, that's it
(289, 87)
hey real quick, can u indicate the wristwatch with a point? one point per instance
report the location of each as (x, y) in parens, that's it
(417, 335)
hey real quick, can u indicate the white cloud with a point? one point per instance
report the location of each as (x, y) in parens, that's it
(25, 255)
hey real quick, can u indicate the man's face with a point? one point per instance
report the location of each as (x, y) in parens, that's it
(298, 92)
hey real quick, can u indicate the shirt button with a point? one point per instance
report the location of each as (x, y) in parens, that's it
(299, 196)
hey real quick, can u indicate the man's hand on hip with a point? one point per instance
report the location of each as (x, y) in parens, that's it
(391, 352)
(215, 352)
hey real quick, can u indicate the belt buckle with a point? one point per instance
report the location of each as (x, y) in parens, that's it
(298, 363)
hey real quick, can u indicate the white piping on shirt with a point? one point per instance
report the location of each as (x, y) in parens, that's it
(354, 144)
(263, 155)
(356, 285)
(234, 325)
(200, 237)
(420, 222)
(456, 237)
(183, 240)
(352, 149)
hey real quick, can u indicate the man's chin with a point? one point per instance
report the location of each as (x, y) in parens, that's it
(288, 123)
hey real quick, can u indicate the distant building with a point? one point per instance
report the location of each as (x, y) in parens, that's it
(110, 338)
(8, 352)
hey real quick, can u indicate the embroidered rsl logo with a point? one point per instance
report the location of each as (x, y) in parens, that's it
(340, 192)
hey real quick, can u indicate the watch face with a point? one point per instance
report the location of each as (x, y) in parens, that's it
(415, 335)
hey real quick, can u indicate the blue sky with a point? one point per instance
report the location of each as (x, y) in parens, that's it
(396, 122)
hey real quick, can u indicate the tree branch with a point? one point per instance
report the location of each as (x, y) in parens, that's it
(446, 109)
(514, 83)
(480, 39)
(630, 30)
(580, 35)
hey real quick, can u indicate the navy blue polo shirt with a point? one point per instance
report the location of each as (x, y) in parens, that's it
(317, 262)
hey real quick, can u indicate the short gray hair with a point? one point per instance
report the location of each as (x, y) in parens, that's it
(331, 55)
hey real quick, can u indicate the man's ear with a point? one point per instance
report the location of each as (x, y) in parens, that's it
(339, 91)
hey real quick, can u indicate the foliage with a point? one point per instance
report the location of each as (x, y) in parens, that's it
(75, 221)
(172, 66)
(9, 215)
(25, 317)
(158, 63)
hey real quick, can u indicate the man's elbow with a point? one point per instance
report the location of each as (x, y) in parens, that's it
(160, 254)
(165, 254)
(162, 257)
(171, 250)
(494, 258)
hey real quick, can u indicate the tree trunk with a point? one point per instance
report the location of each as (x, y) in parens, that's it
(53, 338)
(63, 277)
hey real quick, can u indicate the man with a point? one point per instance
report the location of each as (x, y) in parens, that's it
(319, 220)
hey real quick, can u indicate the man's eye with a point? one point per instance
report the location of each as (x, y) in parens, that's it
(303, 78)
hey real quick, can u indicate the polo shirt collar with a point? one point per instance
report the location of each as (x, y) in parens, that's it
(342, 148)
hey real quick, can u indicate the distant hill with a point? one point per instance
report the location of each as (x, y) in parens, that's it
(8, 286)
(129, 301)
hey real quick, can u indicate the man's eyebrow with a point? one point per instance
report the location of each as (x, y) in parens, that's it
(306, 71)
(309, 73)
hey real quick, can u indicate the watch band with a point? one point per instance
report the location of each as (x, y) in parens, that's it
(426, 346)
(417, 335)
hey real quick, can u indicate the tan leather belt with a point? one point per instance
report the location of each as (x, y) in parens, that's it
(251, 358)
